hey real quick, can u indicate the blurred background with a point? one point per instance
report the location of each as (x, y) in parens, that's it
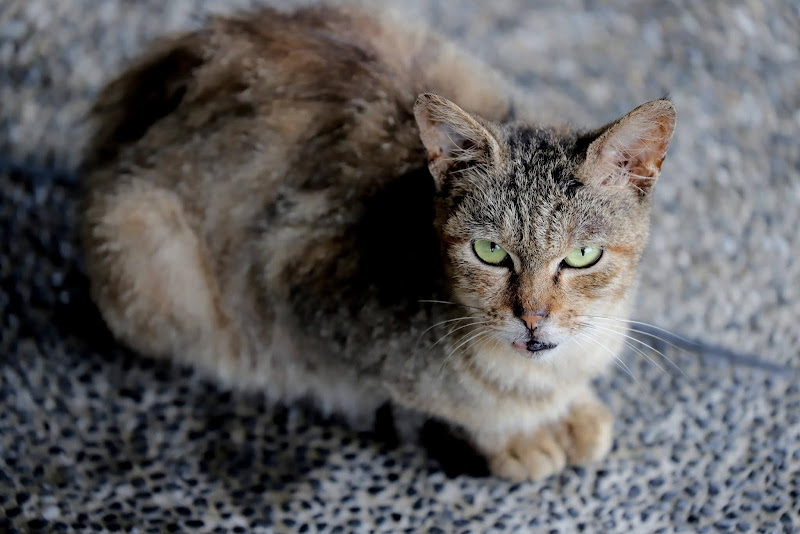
(85, 426)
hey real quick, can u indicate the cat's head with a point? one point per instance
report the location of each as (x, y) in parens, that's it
(543, 228)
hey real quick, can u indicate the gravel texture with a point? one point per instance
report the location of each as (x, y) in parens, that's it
(92, 437)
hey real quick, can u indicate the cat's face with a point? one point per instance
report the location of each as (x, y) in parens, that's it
(543, 230)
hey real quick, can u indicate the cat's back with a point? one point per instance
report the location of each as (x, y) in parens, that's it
(319, 97)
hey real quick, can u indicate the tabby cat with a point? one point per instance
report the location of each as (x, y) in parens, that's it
(326, 205)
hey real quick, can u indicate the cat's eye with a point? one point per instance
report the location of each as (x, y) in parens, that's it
(489, 251)
(583, 257)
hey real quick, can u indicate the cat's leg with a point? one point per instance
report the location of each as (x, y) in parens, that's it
(580, 437)
(151, 276)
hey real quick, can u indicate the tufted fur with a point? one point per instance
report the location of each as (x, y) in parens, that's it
(258, 204)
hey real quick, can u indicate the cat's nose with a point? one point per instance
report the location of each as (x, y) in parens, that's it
(532, 318)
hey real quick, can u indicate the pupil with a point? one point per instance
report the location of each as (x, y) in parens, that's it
(492, 247)
(583, 252)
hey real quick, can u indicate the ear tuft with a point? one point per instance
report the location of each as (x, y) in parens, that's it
(630, 151)
(451, 136)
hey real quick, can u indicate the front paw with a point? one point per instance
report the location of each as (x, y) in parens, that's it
(581, 437)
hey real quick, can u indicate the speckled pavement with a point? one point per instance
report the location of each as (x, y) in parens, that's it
(93, 438)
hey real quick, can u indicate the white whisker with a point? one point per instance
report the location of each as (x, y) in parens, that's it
(642, 323)
(627, 322)
(461, 343)
(617, 360)
(641, 352)
(453, 330)
(443, 322)
(627, 344)
(448, 302)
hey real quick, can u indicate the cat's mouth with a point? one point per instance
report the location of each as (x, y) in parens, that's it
(533, 345)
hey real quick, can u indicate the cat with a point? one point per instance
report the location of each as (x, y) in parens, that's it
(322, 204)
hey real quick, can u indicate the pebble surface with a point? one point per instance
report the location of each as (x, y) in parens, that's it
(96, 439)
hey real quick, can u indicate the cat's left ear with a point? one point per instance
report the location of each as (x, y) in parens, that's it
(630, 150)
(452, 137)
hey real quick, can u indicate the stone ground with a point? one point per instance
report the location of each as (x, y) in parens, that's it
(93, 438)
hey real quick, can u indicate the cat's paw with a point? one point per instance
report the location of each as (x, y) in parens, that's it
(581, 437)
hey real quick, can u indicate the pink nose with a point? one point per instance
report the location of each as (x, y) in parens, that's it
(531, 320)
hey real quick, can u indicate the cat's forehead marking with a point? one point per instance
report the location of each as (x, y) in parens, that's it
(541, 160)
(541, 189)
(535, 205)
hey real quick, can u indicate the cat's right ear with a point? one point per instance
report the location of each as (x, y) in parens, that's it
(453, 138)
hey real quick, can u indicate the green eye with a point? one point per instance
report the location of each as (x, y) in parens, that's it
(489, 251)
(583, 257)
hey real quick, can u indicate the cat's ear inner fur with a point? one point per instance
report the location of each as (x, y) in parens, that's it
(453, 138)
(629, 152)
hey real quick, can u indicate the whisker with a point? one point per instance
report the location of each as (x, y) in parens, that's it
(448, 302)
(616, 363)
(627, 322)
(643, 353)
(447, 358)
(453, 330)
(484, 344)
(688, 342)
(444, 361)
(462, 343)
(489, 339)
(687, 345)
(443, 322)
(616, 358)
(628, 344)
(619, 362)
(653, 336)
(659, 338)
(646, 345)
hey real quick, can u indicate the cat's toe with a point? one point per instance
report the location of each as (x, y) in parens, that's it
(504, 465)
(589, 433)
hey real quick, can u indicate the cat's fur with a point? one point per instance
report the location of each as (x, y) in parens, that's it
(278, 199)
